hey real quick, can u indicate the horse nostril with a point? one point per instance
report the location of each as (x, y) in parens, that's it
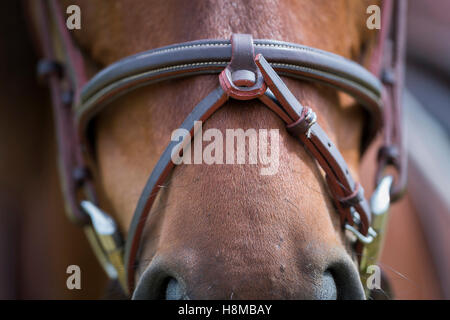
(173, 290)
(157, 285)
(160, 281)
(341, 281)
(328, 289)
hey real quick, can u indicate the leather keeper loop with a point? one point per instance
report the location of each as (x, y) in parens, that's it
(303, 124)
(354, 198)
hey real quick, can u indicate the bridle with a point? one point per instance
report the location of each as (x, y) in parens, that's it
(248, 69)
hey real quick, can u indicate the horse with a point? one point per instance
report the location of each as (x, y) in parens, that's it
(213, 234)
(220, 231)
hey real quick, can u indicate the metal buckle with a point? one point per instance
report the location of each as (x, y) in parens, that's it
(381, 199)
(364, 239)
(379, 205)
(106, 241)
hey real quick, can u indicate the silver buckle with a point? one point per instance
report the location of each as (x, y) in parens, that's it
(106, 240)
(379, 205)
(364, 239)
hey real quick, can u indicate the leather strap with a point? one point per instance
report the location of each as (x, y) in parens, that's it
(62, 82)
(393, 152)
(159, 174)
(242, 67)
(242, 78)
(212, 56)
(314, 139)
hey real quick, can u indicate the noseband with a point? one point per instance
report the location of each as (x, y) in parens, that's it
(248, 69)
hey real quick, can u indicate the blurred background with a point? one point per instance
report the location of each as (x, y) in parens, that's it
(37, 242)
(417, 254)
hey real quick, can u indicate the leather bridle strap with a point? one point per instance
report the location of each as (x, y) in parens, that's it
(65, 82)
(248, 70)
(201, 112)
(388, 65)
(308, 131)
(212, 56)
(302, 126)
(393, 152)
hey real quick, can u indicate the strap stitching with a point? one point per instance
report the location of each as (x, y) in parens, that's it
(158, 51)
(268, 45)
(97, 95)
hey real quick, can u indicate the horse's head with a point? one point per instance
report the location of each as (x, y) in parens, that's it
(223, 230)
